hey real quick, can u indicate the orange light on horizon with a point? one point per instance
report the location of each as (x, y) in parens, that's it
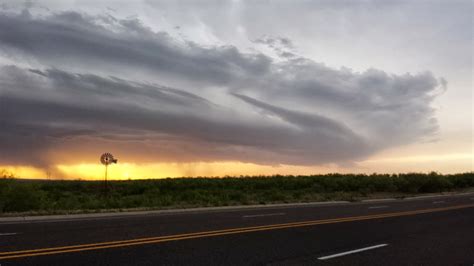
(127, 170)
(444, 163)
(26, 172)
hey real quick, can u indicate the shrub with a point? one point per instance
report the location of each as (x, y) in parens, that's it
(27, 195)
(20, 197)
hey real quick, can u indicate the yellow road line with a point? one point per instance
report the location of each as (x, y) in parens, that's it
(151, 240)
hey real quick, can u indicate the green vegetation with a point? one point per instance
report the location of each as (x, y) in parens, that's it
(45, 197)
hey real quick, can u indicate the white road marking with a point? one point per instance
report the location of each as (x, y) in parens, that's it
(263, 215)
(439, 201)
(378, 207)
(351, 252)
(8, 234)
(378, 200)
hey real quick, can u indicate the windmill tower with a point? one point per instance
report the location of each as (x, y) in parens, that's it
(106, 159)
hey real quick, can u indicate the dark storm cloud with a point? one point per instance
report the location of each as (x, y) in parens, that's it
(237, 106)
(73, 38)
(42, 109)
(373, 103)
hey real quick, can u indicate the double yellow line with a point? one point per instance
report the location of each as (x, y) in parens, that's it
(160, 239)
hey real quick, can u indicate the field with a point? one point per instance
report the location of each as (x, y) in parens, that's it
(48, 196)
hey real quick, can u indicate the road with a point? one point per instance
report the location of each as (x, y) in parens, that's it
(425, 231)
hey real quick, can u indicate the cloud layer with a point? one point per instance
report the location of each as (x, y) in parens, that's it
(84, 84)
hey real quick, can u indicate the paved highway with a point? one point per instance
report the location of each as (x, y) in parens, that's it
(426, 231)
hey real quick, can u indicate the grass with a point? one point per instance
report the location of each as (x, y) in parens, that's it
(61, 196)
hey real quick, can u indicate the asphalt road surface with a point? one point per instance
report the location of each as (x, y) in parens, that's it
(428, 231)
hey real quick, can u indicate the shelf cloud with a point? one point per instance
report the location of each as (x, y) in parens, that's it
(90, 82)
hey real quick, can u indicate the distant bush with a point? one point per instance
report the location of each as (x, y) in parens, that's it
(18, 195)
(6, 174)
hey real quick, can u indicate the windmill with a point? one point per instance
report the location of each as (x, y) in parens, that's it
(106, 159)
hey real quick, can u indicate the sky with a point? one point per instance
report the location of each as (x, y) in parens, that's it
(215, 88)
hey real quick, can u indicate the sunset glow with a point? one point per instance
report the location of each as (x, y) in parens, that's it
(447, 163)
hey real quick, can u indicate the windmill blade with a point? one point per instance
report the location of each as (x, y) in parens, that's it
(107, 158)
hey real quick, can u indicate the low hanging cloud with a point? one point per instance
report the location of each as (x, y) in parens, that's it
(88, 83)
